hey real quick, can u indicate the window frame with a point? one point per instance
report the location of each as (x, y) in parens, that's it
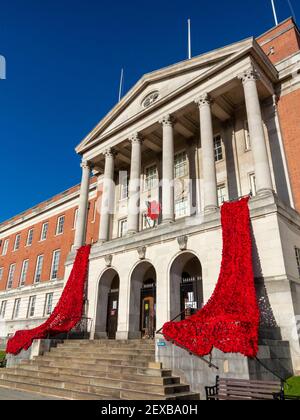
(56, 252)
(218, 157)
(183, 164)
(1, 273)
(38, 268)
(17, 242)
(222, 185)
(11, 276)
(181, 201)
(46, 306)
(45, 227)
(29, 239)
(59, 225)
(3, 308)
(31, 304)
(5, 247)
(25, 267)
(120, 224)
(16, 308)
(154, 180)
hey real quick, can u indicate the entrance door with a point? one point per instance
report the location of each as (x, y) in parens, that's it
(148, 309)
(112, 315)
(191, 301)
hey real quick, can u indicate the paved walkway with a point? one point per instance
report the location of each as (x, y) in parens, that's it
(13, 395)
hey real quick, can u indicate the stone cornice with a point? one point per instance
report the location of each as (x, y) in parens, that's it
(34, 288)
(36, 211)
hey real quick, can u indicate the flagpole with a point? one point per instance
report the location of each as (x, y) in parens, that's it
(189, 40)
(121, 85)
(274, 12)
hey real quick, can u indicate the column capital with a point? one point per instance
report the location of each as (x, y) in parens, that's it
(110, 153)
(167, 120)
(249, 75)
(85, 164)
(204, 100)
(135, 138)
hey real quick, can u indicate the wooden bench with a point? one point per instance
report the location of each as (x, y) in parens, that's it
(241, 389)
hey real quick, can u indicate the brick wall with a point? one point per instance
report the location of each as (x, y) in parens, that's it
(284, 39)
(289, 114)
(46, 248)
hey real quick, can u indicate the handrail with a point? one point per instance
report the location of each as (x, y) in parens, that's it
(208, 362)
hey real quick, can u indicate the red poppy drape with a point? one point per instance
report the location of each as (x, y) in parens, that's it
(230, 319)
(66, 314)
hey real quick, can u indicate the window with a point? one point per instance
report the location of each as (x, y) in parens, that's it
(181, 208)
(151, 178)
(31, 306)
(1, 273)
(122, 228)
(222, 194)
(75, 218)
(16, 309)
(150, 99)
(17, 242)
(48, 304)
(24, 273)
(297, 251)
(38, 269)
(5, 247)
(29, 238)
(218, 148)
(11, 275)
(252, 182)
(123, 185)
(55, 264)
(181, 168)
(247, 136)
(60, 225)
(44, 231)
(3, 309)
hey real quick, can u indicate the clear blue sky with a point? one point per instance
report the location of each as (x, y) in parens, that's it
(63, 67)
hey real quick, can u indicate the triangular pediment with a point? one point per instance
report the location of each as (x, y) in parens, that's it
(166, 82)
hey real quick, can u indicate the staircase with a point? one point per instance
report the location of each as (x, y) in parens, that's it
(98, 370)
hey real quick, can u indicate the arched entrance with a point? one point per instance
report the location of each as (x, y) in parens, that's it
(142, 316)
(186, 287)
(107, 305)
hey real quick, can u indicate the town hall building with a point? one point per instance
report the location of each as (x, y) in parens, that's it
(191, 136)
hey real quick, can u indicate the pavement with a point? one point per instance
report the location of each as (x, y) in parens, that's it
(14, 395)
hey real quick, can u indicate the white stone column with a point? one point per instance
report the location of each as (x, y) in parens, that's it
(258, 144)
(168, 205)
(80, 233)
(134, 185)
(108, 196)
(208, 154)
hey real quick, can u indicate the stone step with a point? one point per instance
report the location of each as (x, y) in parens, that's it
(86, 378)
(105, 358)
(109, 388)
(108, 343)
(95, 352)
(101, 369)
(53, 392)
(96, 370)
